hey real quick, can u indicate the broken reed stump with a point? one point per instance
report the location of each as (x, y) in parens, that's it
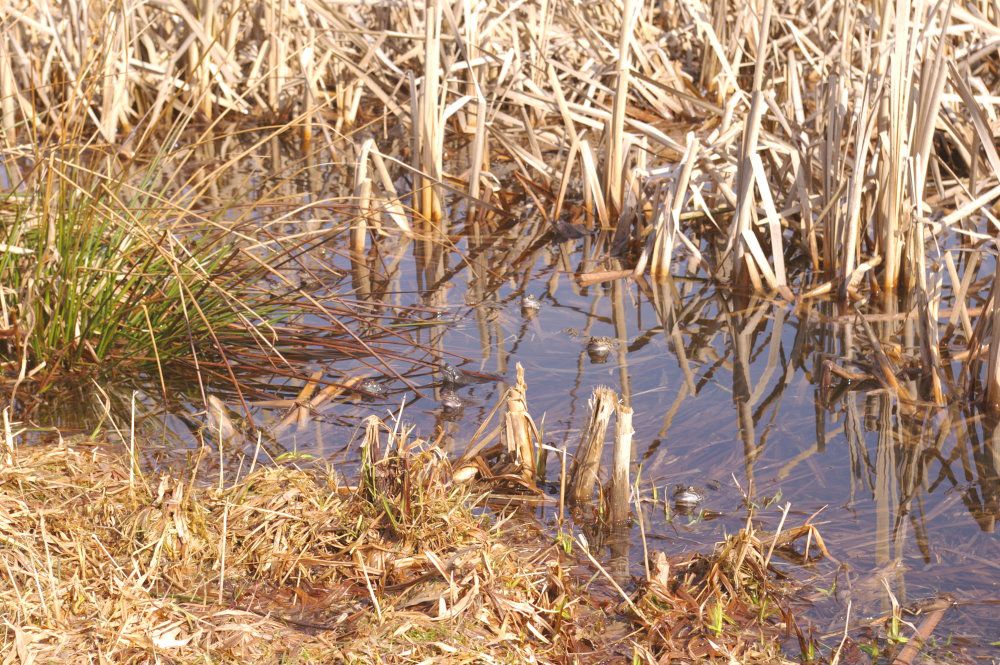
(587, 462)
(370, 448)
(618, 508)
(519, 432)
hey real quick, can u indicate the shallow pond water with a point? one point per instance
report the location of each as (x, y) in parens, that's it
(730, 397)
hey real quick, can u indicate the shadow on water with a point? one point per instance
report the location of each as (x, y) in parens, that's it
(770, 397)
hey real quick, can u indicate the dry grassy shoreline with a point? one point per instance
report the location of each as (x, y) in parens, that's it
(290, 565)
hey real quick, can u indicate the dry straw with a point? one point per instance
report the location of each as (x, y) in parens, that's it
(287, 562)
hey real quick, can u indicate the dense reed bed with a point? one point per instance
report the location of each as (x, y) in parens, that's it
(776, 146)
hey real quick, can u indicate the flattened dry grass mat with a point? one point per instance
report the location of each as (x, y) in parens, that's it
(100, 562)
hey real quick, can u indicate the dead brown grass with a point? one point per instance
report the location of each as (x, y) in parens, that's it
(289, 564)
(286, 564)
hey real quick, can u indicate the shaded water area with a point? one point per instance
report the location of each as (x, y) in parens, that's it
(730, 396)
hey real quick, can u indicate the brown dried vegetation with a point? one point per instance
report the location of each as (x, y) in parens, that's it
(289, 564)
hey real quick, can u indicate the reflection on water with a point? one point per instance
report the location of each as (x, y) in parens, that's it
(727, 394)
(730, 394)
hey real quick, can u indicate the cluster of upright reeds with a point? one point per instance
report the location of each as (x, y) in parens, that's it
(854, 158)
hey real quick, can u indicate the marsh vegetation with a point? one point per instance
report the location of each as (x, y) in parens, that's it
(273, 264)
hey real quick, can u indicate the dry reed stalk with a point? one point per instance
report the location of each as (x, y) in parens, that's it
(363, 203)
(632, 211)
(621, 487)
(927, 321)
(390, 200)
(471, 39)
(668, 215)
(960, 313)
(273, 14)
(614, 163)
(593, 197)
(850, 228)
(8, 97)
(519, 434)
(310, 91)
(430, 130)
(930, 351)
(587, 462)
(992, 392)
(204, 72)
(742, 237)
(9, 440)
(713, 57)
(891, 118)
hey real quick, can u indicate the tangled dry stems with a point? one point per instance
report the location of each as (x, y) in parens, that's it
(104, 564)
(278, 565)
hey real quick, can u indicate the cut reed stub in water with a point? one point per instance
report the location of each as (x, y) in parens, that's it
(507, 453)
(619, 501)
(370, 448)
(385, 481)
(587, 463)
(519, 432)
